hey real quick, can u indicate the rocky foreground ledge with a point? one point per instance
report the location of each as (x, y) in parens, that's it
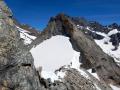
(17, 70)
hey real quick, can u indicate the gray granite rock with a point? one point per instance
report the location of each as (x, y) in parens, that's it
(17, 71)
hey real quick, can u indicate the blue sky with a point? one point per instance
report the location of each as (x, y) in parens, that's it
(38, 12)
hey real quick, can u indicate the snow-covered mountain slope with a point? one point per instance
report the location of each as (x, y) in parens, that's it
(57, 52)
(107, 43)
(114, 31)
(55, 55)
(108, 47)
(25, 35)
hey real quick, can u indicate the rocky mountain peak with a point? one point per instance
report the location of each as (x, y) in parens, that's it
(5, 9)
(90, 58)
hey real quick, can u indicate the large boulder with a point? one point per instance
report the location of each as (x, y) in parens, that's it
(17, 71)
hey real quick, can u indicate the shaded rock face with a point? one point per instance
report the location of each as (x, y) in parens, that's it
(17, 71)
(92, 58)
(114, 26)
(115, 39)
(79, 20)
(98, 27)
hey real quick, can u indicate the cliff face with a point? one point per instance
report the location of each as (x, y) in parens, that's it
(17, 70)
(92, 54)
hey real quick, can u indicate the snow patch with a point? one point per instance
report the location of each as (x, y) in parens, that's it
(53, 76)
(115, 87)
(75, 63)
(24, 34)
(108, 49)
(49, 75)
(54, 53)
(114, 31)
(75, 60)
(94, 74)
(80, 27)
(102, 34)
(107, 46)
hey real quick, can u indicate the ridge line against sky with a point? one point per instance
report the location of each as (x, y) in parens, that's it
(38, 12)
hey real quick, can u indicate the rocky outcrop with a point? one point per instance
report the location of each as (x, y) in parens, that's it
(92, 55)
(75, 80)
(115, 39)
(17, 71)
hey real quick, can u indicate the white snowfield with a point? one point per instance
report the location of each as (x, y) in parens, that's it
(114, 31)
(24, 34)
(54, 53)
